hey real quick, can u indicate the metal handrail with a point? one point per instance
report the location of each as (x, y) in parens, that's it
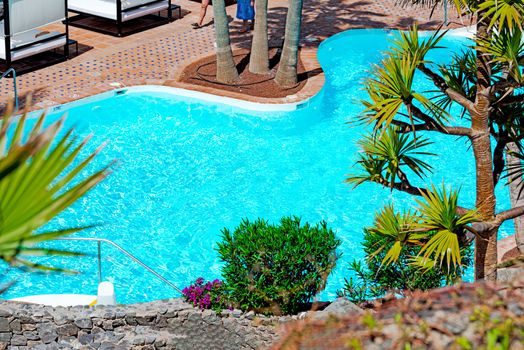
(5, 74)
(103, 240)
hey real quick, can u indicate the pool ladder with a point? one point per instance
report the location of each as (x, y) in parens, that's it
(99, 242)
(13, 73)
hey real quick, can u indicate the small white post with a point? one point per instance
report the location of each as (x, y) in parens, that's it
(106, 294)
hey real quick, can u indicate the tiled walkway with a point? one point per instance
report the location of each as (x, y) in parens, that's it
(155, 55)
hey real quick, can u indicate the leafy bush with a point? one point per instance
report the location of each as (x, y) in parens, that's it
(373, 279)
(208, 295)
(276, 268)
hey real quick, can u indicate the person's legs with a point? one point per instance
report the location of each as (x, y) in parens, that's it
(203, 10)
(244, 26)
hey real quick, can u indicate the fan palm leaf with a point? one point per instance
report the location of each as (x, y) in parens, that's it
(39, 171)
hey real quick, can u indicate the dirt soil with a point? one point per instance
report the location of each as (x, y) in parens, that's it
(203, 73)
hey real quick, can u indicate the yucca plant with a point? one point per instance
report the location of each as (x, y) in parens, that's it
(396, 230)
(385, 157)
(478, 97)
(39, 178)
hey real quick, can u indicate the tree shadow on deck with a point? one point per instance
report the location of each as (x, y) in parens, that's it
(322, 20)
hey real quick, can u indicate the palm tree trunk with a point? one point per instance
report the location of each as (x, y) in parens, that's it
(259, 59)
(227, 72)
(517, 199)
(486, 244)
(287, 70)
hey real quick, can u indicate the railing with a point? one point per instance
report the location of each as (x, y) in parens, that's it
(128, 254)
(13, 72)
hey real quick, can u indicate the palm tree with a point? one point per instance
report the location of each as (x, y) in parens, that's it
(227, 72)
(287, 70)
(259, 58)
(39, 171)
(483, 83)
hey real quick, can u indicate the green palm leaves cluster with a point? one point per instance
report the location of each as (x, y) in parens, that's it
(39, 170)
(479, 93)
(390, 87)
(436, 225)
(386, 156)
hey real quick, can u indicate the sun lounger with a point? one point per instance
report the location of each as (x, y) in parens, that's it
(21, 35)
(119, 11)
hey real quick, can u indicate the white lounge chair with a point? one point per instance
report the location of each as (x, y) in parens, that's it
(119, 11)
(20, 33)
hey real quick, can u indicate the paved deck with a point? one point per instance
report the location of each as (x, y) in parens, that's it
(156, 55)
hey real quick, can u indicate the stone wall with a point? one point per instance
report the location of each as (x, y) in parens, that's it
(168, 324)
(470, 316)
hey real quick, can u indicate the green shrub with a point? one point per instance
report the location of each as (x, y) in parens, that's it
(276, 268)
(374, 279)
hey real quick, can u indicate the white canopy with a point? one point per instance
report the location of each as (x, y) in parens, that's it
(25, 15)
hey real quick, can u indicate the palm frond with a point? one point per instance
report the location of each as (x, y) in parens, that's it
(385, 154)
(395, 229)
(37, 169)
(439, 212)
(503, 14)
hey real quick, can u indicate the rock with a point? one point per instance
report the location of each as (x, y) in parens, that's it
(236, 313)
(31, 335)
(84, 323)
(210, 317)
(47, 332)
(150, 339)
(510, 274)
(67, 330)
(4, 325)
(28, 327)
(160, 342)
(107, 325)
(15, 325)
(118, 323)
(85, 338)
(5, 312)
(456, 323)
(18, 340)
(225, 313)
(342, 307)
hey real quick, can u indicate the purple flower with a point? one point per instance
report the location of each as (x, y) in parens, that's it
(204, 295)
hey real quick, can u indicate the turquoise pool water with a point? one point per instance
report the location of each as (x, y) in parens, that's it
(187, 168)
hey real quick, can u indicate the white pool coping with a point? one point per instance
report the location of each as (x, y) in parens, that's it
(179, 92)
(59, 299)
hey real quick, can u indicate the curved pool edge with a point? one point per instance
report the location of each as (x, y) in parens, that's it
(466, 31)
(181, 92)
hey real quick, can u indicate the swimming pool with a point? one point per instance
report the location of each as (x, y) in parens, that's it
(187, 167)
